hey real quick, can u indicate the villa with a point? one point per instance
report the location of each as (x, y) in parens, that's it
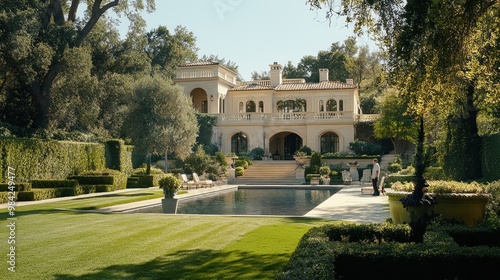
(279, 115)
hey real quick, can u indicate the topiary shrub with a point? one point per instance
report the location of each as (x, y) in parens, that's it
(305, 150)
(241, 163)
(257, 153)
(239, 171)
(170, 184)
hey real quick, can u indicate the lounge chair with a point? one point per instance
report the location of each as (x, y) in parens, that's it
(366, 178)
(201, 183)
(186, 183)
(346, 177)
(369, 190)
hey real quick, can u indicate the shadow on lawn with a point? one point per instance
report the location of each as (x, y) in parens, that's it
(194, 264)
(115, 195)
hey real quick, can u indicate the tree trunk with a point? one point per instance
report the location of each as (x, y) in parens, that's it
(41, 88)
(473, 145)
(41, 102)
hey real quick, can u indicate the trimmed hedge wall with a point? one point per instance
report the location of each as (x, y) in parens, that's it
(119, 156)
(53, 184)
(41, 159)
(491, 157)
(18, 187)
(35, 159)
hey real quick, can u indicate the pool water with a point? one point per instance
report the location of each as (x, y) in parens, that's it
(283, 202)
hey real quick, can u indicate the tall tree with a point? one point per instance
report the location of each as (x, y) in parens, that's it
(167, 51)
(155, 121)
(396, 123)
(442, 53)
(35, 36)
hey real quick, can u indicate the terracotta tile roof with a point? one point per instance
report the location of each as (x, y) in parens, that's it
(295, 86)
(254, 86)
(199, 63)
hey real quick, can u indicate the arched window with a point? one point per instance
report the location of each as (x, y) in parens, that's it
(241, 107)
(261, 106)
(204, 106)
(329, 143)
(250, 107)
(289, 106)
(341, 105)
(321, 106)
(331, 105)
(239, 143)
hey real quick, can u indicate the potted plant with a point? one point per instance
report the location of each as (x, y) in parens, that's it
(170, 184)
(466, 201)
(324, 172)
(300, 158)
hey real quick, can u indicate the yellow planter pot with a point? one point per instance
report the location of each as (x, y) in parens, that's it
(399, 214)
(470, 208)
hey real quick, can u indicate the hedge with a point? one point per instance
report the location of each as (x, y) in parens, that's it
(491, 157)
(119, 156)
(53, 184)
(41, 159)
(382, 251)
(4, 187)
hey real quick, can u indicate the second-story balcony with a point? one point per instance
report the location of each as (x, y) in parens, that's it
(293, 118)
(285, 118)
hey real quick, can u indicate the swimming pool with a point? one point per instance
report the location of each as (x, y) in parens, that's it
(253, 201)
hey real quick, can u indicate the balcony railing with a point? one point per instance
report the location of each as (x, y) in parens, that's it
(194, 74)
(293, 117)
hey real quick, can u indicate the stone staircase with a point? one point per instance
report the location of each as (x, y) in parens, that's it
(385, 160)
(273, 172)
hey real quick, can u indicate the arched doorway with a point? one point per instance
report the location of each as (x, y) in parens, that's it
(239, 143)
(283, 145)
(200, 100)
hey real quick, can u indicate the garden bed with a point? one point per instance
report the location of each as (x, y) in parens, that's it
(383, 251)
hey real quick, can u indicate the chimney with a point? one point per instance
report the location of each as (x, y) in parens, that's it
(276, 71)
(349, 81)
(323, 74)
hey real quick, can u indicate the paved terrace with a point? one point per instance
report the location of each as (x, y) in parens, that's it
(347, 204)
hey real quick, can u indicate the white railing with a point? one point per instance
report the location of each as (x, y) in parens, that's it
(194, 74)
(368, 117)
(329, 115)
(289, 116)
(260, 82)
(293, 117)
(268, 82)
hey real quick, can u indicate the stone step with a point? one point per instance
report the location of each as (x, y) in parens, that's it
(269, 172)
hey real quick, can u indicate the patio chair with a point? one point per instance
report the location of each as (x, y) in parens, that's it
(346, 177)
(201, 183)
(186, 182)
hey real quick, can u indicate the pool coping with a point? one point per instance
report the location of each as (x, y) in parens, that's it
(347, 204)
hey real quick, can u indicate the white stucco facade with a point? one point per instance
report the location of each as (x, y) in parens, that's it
(278, 115)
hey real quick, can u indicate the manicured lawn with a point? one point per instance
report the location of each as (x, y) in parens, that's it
(58, 244)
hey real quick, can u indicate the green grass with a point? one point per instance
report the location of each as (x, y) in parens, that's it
(57, 244)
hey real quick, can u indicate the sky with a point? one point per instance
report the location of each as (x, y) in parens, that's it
(252, 33)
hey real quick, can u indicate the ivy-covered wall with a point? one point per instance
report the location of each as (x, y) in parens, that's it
(491, 157)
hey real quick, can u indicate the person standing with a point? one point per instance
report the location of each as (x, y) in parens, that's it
(375, 175)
